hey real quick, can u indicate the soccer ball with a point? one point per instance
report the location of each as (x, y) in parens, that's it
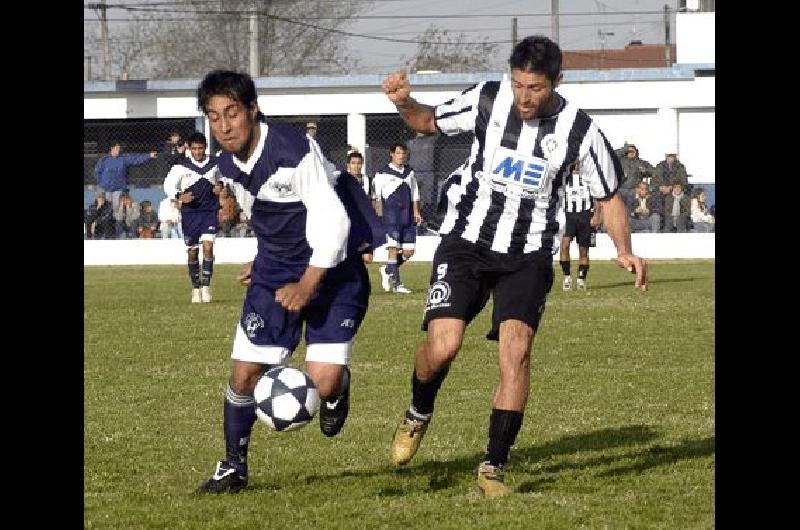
(286, 399)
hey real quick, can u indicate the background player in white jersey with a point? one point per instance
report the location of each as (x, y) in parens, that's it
(502, 226)
(307, 269)
(191, 181)
(579, 206)
(396, 186)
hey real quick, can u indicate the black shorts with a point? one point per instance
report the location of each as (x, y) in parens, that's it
(578, 223)
(464, 274)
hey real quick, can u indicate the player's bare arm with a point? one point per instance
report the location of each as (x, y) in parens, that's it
(417, 116)
(295, 296)
(615, 220)
(417, 214)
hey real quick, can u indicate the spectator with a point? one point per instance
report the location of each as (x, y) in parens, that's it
(111, 171)
(229, 212)
(169, 213)
(170, 148)
(217, 189)
(636, 171)
(147, 224)
(669, 170)
(421, 158)
(126, 215)
(657, 200)
(311, 129)
(702, 219)
(100, 218)
(677, 206)
(644, 210)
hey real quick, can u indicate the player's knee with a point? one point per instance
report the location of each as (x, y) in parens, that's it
(408, 253)
(516, 339)
(443, 347)
(244, 383)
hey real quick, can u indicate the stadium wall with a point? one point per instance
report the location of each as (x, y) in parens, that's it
(241, 250)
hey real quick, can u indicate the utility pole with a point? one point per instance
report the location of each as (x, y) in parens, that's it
(100, 9)
(554, 19)
(602, 35)
(667, 48)
(88, 67)
(254, 67)
(513, 33)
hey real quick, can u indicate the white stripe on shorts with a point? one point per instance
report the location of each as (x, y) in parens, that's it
(333, 353)
(244, 350)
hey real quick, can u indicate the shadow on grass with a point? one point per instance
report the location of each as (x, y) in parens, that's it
(441, 475)
(649, 282)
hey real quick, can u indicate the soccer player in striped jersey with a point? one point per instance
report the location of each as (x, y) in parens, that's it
(310, 226)
(191, 181)
(503, 225)
(396, 186)
(579, 206)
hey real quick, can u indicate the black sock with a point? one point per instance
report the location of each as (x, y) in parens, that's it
(239, 415)
(583, 270)
(208, 269)
(565, 267)
(194, 273)
(424, 394)
(503, 428)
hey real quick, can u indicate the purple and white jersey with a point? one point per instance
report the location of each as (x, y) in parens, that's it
(297, 216)
(197, 177)
(397, 187)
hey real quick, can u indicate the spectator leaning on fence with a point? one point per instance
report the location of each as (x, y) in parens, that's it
(111, 171)
(126, 216)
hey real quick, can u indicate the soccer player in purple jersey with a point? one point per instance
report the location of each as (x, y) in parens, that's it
(307, 269)
(191, 181)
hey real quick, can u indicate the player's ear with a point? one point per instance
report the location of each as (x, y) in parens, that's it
(558, 79)
(254, 110)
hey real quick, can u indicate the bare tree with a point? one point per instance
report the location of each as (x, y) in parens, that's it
(190, 38)
(452, 53)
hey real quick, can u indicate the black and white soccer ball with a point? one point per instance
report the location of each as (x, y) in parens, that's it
(286, 398)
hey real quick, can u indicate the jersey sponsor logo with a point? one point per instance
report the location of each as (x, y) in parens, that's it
(252, 323)
(550, 145)
(514, 169)
(438, 296)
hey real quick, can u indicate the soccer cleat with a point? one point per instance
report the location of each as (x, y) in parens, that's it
(386, 279)
(332, 415)
(490, 481)
(224, 480)
(205, 293)
(196, 296)
(407, 438)
(402, 289)
(567, 283)
(581, 284)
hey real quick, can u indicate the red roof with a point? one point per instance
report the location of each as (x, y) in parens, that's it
(633, 56)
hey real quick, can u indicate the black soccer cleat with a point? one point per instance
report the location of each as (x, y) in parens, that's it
(332, 414)
(225, 480)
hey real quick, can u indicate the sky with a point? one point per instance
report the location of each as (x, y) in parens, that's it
(609, 24)
(576, 32)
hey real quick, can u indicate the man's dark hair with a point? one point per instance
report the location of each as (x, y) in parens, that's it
(537, 54)
(113, 143)
(354, 154)
(197, 138)
(396, 145)
(236, 85)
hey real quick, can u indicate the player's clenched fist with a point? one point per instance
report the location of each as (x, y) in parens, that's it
(397, 87)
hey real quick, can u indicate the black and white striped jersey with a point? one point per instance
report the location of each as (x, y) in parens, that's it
(577, 197)
(511, 195)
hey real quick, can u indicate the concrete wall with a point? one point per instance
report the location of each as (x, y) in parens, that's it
(241, 250)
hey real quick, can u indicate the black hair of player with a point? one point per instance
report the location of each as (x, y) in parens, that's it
(238, 86)
(539, 54)
(197, 138)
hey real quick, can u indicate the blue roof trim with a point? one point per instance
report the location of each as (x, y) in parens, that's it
(676, 72)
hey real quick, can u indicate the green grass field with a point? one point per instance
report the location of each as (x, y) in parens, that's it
(618, 433)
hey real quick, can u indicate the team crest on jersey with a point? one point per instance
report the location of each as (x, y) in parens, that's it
(252, 323)
(550, 145)
(438, 296)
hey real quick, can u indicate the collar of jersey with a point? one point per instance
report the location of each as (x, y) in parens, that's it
(398, 169)
(200, 164)
(248, 166)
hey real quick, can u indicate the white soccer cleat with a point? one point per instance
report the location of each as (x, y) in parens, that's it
(196, 296)
(581, 284)
(205, 294)
(567, 283)
(402, 289)
(386, 279)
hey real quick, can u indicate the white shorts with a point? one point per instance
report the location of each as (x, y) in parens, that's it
(244, 350)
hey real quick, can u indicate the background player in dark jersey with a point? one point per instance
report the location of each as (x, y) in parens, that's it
(191, 181)
(578, 216)
(307, 269)
(501, 230)
(396, 186)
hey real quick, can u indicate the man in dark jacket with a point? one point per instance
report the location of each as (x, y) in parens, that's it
(100, 218)
(677, 207)
(670, 169)
(636, 171)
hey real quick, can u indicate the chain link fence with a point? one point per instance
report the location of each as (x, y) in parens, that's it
(432, 157)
